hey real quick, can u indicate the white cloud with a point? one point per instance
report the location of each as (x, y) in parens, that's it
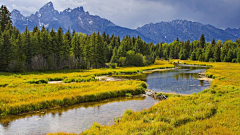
(24, 10)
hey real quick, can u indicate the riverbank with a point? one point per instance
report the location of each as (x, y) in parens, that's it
(37, 97)
(212, 111)
(35, 91)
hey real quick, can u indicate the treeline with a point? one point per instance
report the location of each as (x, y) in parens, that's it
(42, 50)
(50, 50)
(200, 50)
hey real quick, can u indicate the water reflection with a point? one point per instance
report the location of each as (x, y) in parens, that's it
(75, 118)
(182, 81)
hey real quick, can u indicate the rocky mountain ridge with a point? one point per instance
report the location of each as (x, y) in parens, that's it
(83, 22)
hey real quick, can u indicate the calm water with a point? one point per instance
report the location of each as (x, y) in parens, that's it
(182, 81)
(73, 119)
(80, 117)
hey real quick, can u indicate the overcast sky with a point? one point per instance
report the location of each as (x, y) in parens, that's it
(136, 13)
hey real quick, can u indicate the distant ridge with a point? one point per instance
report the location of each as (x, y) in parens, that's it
(83, 22)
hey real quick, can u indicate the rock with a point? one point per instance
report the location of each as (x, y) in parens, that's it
(162, 97)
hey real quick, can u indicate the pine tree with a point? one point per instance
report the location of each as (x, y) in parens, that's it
(208, 53)
(91, 52)
(238, 56)
(183, 54)
(5, 17)
(5, 49)
(60, 48)
(139, 47)
(44, 43)
(75, 43)
(202, 41)
(193, 56)
(217, 54)
(35, 29)
(66, 45)
(52, 42)
(121, 52)
(99, 51)
(223, 53)
(26, 42)
(114, 58)
(36, 44)
(229, 56)
(213, 42)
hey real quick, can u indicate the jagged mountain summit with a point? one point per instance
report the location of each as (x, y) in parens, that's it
(83, 22)
(76, 19)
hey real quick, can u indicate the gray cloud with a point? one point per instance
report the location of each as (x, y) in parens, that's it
(136, 13)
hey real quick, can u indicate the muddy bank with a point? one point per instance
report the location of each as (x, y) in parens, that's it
(156, 70)
(109, 79)
(203, 77)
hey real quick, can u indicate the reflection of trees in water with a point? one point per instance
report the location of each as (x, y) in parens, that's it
(177, 77)
(53, 114)
(6, 121)
(185, 75)
(201, 82)
(188, 76)
(98, 107)
(5, 124)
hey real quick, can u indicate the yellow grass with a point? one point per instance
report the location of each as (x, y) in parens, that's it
(14, 80)
(31, 91)
(35, 97)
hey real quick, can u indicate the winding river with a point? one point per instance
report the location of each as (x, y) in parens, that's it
(78, 118)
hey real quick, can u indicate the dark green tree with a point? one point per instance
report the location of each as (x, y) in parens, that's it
(5, 49)
(193, 56)
(213, 42)
(114, 58)
(217, 54)
(202, 41)
(100, 51)
(5, 17)
(26, 43)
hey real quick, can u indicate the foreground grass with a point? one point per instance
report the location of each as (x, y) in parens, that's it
(35, 97)
(213, 111)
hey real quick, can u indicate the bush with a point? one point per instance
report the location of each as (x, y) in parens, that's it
(113, 65)
(234, 60)
(122, 61)
(211, 60)
(40, 81)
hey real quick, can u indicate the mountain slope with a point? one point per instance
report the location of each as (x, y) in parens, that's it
(169, 31)
(235, 32)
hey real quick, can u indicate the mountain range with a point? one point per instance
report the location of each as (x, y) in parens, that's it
(83, 22)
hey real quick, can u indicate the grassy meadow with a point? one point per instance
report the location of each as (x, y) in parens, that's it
(212, 111)
(26, 92)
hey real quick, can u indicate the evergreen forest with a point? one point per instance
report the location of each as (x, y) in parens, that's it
(42, 49)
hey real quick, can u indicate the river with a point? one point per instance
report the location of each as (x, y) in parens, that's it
(80, 117)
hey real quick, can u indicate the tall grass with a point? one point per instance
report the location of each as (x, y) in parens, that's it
(39, 96)
(212, 111)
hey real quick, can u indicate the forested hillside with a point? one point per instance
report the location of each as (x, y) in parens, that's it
(42, 50)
